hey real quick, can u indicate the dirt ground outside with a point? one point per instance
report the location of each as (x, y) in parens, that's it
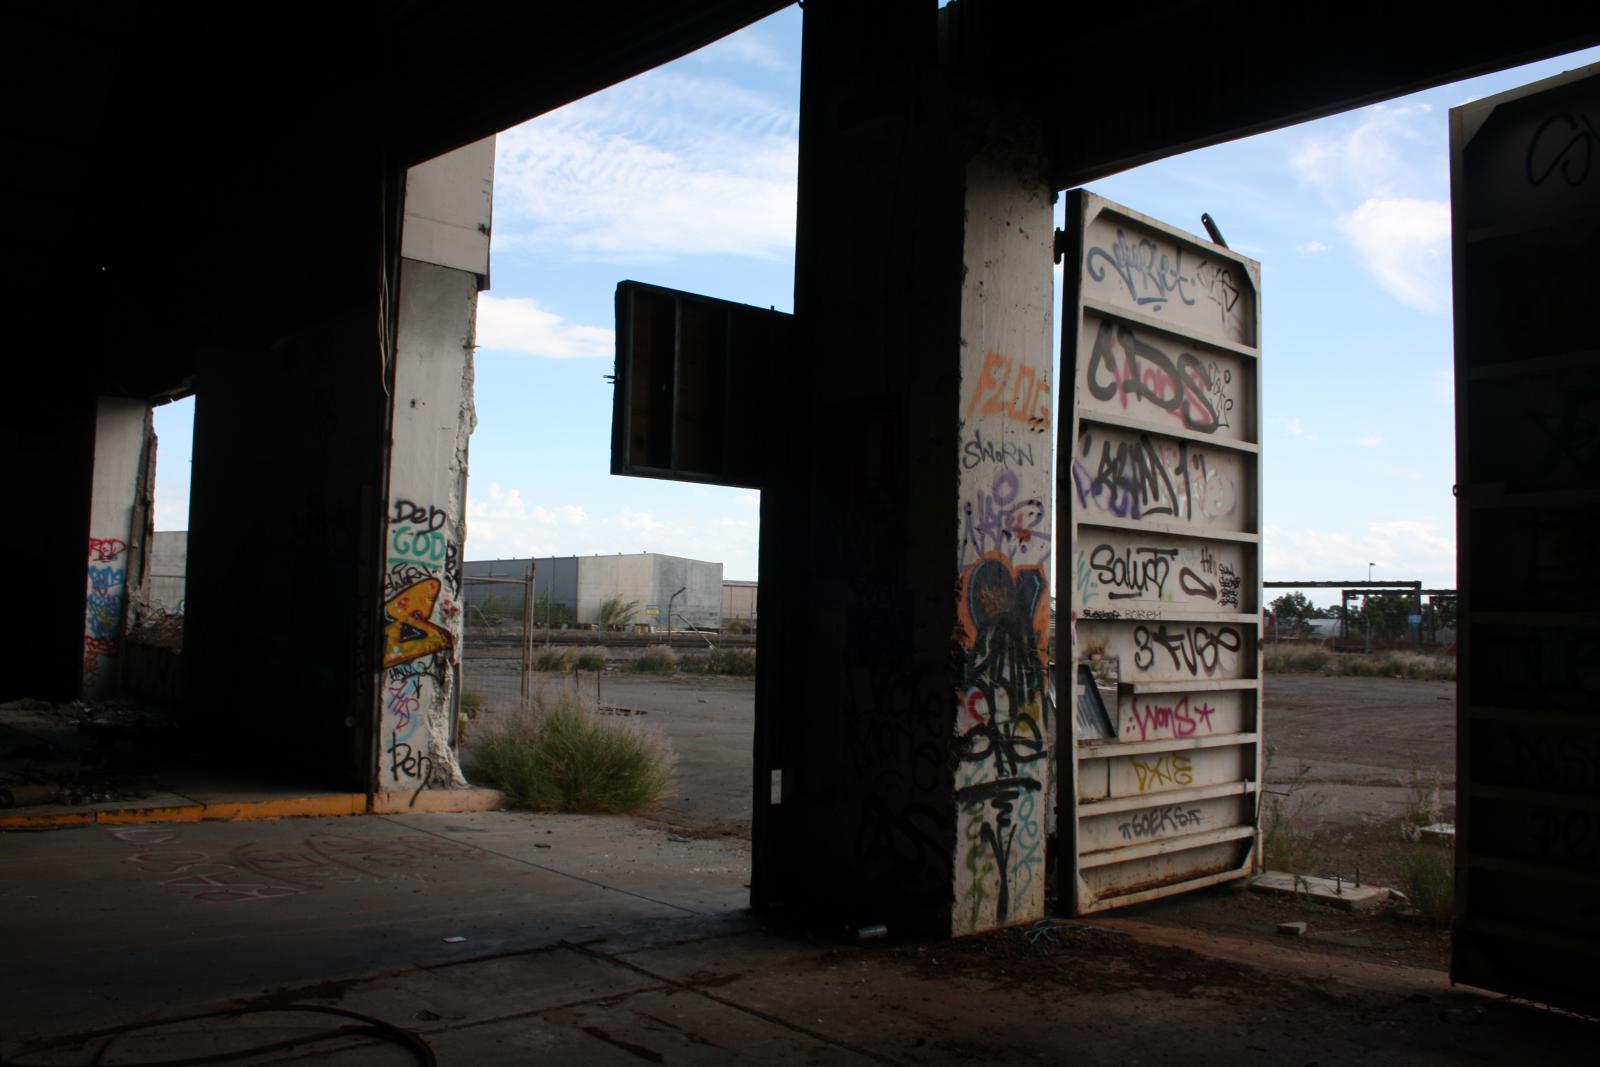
(1348, 747)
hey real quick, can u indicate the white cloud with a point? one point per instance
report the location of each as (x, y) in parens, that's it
(519, 324)
(1403, 549)
(501, 524)
(1311, 248)
(1370, 440)
(750, 46)
(1383, 150)
(1405, 245)
(1296, 427)
(1383, 172)
(667, 164)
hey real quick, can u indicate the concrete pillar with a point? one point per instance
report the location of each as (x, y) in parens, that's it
(122, 442)
(425, 528)
(1005, 703)
(903, 707)
(445, 243)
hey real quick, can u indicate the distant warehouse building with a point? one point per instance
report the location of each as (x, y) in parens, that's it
(738, 600)
(572, 588)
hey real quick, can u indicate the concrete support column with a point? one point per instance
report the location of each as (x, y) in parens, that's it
(445, 245)
(903, 712)
(1004, 703)
(122, 441)
(425, 529)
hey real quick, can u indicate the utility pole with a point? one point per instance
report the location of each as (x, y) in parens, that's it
(670, 599)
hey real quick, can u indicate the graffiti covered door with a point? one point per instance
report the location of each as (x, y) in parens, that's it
(1160, 788)
(1525, 188)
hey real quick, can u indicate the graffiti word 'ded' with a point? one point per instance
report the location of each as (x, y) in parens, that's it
(409, 634)
(1013, 389)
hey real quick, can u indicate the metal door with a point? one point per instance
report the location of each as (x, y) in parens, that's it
(1525, 177)
(1159, 490)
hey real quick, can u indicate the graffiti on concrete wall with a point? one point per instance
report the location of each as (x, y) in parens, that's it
(103, 606)
(1013, 390)
(999, 518)
(420, 625)
(1003, 721)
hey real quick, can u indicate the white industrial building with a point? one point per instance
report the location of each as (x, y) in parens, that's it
(581, 584)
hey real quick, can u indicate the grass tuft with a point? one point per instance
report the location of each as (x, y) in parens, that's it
(561, 756)
(1288, 843)
(552, 659)
(591, 659)
(739, 661)
(1428, 875)
(657, 660)
(1315, 658)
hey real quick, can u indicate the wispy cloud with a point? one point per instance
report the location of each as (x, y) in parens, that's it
(751, 46)
(1405, 245)
(1297, 428)
(1311, 248)
(1403, 549)
(518, 324)
(1382, 171)
(668, 164)
(1370, 440)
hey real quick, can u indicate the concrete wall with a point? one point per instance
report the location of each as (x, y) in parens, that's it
(700, 604)
(555, 577)
(738, 599)
(1004, 703)
(122, 439)
(631, 577)
(169, 564)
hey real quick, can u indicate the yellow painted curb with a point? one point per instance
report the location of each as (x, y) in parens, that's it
(274, 808)
(438, 800)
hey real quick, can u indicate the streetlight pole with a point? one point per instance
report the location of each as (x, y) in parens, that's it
(670, 599)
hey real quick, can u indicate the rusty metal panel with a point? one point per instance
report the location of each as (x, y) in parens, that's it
(1525, 188)
(1161, 495)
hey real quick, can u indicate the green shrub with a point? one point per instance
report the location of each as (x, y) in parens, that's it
(552, 659)
(1288, 843)
(591, 659)
(1422, 799)
(657, 660)
(561, 756)
(738, 661)
(472, 702)
(1428, 878)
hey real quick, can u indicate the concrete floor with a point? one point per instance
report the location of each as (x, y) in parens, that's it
(611, 940)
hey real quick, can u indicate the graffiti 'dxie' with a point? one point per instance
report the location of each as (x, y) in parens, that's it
(410, 634)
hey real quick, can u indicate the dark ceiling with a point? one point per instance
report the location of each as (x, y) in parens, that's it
(188, 176)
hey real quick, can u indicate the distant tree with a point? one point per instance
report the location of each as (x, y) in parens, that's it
(1390, 614)
(1445, 609)
(1292, 610)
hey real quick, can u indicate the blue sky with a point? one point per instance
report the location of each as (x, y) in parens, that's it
(685, 177)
